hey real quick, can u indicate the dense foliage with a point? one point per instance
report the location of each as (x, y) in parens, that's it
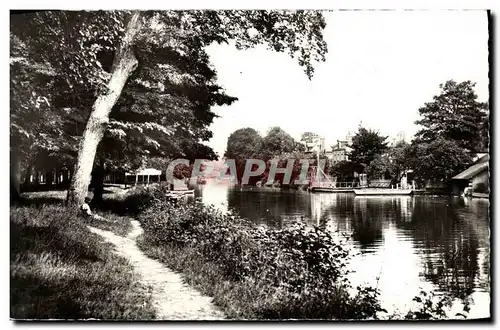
(140, 83)
(440, 160)
(294, 272)
(366, 145)
(454, 127)
(243, 144)
(164, 110)
(455, 115)
(308, 137)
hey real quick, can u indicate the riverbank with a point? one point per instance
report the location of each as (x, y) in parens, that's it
(249, 272)
(255, 273)
(296, 272)
(172, 298)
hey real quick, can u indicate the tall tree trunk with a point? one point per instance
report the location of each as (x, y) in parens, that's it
(29, 172)
(124, 64)
(49, 176)
(98, 184)
(15, 175)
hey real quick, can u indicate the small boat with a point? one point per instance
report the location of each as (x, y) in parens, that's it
(383, 192)
(180, 192)
(330, 189)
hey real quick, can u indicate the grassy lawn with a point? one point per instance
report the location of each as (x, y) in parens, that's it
(115, 219)
(60, 270)
(119, 225)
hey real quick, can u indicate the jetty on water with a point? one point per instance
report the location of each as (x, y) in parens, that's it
(322, 183)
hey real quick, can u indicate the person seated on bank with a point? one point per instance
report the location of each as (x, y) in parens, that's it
(87, 212)
(85, 208)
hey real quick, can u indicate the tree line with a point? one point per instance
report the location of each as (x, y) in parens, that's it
(93, 91)
(278, 145)
(453, 128)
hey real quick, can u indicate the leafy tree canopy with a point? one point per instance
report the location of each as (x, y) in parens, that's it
(401, 158)
(278, 142)
(455, 114)
(440, 160)
(308, 137)
(164, 111)
(243, 143)
(380, 167)
(366, 145)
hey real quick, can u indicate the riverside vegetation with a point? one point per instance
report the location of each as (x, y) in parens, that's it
(59, 269)
(255, 272)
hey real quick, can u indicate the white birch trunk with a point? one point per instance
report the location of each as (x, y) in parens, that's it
(124, 65)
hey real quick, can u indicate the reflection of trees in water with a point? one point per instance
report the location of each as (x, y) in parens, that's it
(364, 217)
(452, 237)
(332, 210)
(475, 219)
(450, 247)
(263, 205)
(454, 267)
(369, 214)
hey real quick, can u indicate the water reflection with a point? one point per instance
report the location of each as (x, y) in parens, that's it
(402, 244)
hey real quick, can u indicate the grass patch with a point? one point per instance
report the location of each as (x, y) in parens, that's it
(60, 270)
(117, 224)
(113, 209)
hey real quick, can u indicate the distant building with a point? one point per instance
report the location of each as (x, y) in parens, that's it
(340, 151)
(476, 177)
(317, 145)
(349, 137)
(400, 137)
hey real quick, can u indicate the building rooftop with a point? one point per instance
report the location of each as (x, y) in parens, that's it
(481, 165)
(145, 171)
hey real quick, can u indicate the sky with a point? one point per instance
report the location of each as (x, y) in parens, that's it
(381, 67)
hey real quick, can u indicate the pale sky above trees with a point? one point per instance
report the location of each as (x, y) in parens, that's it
(380, 68)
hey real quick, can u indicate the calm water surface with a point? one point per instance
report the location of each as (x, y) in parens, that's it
(401, 244)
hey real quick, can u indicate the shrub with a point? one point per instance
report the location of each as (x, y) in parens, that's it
(430, 307)
(294, 272)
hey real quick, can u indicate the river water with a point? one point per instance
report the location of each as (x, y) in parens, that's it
(400, 244)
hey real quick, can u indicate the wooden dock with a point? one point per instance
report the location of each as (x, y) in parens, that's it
(480, 195)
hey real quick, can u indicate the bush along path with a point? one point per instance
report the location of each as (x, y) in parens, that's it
(173, 299)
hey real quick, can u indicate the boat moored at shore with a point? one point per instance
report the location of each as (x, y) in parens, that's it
(383, 192)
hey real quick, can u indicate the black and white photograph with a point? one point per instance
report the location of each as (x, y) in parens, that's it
(250, 165)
